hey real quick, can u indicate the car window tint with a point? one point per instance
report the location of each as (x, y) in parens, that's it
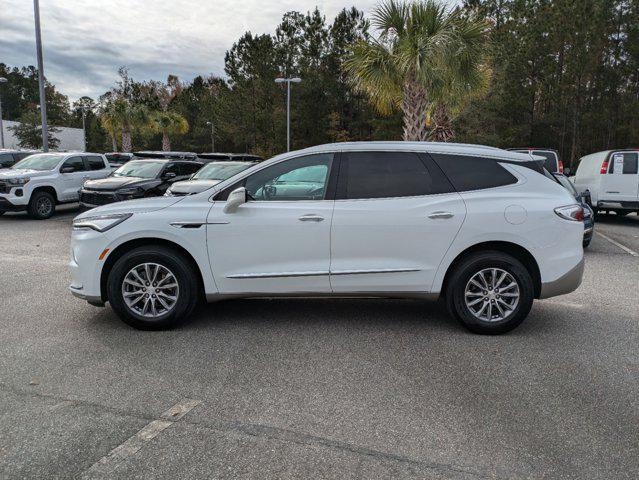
(172, 168)
(551, 159)
(302, 178)
(76, 162)
(629, 163)
(384, 175)
(473, 173)
(6, 160)
(189, 169)
(95, 162)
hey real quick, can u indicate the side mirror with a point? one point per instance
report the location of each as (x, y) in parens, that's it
(169, 175)
(67, 169)
(236, 198)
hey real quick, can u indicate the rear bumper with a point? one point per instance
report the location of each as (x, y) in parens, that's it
(567, 283)
(618, 205)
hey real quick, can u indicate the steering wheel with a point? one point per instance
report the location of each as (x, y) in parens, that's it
(270, 191)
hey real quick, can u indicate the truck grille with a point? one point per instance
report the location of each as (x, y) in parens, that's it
(4, 187)
(96, 198)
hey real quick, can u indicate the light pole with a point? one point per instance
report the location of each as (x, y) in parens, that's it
(43, 100)
(84, 127)
(212, 136)
(2, 80)
(288, 82)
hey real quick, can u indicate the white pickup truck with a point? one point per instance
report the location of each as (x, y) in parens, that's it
(41, 181)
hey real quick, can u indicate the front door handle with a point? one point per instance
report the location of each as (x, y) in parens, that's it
(436, 215)
(311, 218)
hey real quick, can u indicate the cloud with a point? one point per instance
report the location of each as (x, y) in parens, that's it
(85, 41)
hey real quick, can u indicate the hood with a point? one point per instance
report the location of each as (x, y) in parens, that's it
(141, 205)
(7, 173)
(189, 187)
(115, 183)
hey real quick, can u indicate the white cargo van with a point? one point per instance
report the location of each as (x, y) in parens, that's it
(611, 179)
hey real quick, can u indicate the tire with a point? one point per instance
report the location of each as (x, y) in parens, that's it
(623, 213)
(176, 264)
(460, 280)
(587, 242)
(41, 205)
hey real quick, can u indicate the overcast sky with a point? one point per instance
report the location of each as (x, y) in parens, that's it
(85, 41)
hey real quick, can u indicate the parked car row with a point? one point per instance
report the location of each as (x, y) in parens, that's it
(38, 182)
(484, 228)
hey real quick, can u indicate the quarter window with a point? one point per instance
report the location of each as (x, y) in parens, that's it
(302, 178)
(365, 175)
(473, 173)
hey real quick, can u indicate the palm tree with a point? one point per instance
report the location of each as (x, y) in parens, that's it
(424, 54)
(168, 124)
(120, 115)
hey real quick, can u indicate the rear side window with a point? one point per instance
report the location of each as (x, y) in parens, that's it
(551, 163)
(473, 173)
(95, 162)
(365, 175)
(624, 163)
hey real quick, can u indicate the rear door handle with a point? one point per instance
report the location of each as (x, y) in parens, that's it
(436, 215)
(311, 218)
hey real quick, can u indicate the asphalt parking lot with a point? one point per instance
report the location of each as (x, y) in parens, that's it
(316, 388)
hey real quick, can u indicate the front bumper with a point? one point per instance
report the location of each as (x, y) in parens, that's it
(569, 282)
(85, 265)
(8, 206)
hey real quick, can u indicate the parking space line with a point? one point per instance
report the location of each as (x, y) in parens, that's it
(107, 464)
(629, 251)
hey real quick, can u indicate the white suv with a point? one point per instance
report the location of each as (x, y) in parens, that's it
(478, 225)
(40, 181)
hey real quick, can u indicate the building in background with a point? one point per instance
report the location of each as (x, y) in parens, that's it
(70, 138)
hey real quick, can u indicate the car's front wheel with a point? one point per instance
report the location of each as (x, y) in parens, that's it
(153, 288)
(41, 205)
(490, 292)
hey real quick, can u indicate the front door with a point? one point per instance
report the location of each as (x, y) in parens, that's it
(279, 240)
(622, 181)
(72, 181)
(395, 217)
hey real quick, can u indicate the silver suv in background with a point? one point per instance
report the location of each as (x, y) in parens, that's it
(41, 181)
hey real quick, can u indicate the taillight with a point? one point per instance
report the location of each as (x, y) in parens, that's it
(571, 212)
(561, 167)
(604, 167)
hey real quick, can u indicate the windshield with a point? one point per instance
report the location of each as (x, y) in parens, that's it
(39, 161)
(220, 170)
(139, 169)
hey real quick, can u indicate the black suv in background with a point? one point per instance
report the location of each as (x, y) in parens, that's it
(137, 178)
(10, 157)
(168, 155)
(117, 159)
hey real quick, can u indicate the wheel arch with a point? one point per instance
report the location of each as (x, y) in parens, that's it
(513, 249)
(46, 188)
(129, 245)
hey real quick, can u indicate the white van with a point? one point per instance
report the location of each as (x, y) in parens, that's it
(611, 179)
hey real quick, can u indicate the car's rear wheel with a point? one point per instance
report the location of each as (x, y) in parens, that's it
(41, 205)
(153, 288)
(490, 292)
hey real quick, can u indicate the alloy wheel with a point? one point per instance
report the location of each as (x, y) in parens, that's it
(492, 294)
(44, 206)
(150, 290)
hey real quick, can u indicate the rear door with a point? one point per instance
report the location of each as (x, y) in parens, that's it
(395, 216)
(621, 183)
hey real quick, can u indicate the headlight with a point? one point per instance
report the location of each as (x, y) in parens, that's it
(18, 181)
(129, 191)
(101, 223)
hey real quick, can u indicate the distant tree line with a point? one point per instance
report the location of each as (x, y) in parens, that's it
(560, 74)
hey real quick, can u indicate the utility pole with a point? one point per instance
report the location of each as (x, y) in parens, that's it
(2, 80)
(288, 82)
(84, 127)
(43, 100)
(212, 136)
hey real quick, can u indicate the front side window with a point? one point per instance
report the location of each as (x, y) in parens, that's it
(39, 161)
(473, 173)
(189, 168)
(302, 178)
(366, 175)
(77, 163)
(140, 169)
(6, 160)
